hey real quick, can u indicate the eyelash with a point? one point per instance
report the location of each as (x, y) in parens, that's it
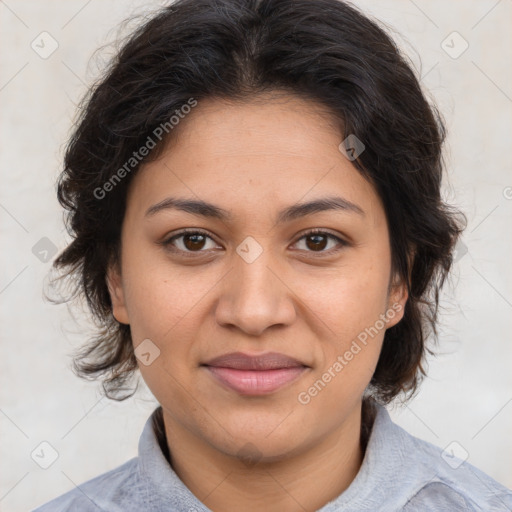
(168, 243)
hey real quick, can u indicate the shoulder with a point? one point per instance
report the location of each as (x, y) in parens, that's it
(115, 490)
(442, 481)
(402, 473)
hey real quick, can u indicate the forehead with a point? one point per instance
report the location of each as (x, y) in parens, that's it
(255, 122)
(273, 150)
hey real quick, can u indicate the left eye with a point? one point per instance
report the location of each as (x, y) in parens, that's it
(317, 241)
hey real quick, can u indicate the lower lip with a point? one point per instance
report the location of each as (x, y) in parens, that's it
(256, 382)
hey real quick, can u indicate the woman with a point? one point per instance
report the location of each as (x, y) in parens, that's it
(254, 196)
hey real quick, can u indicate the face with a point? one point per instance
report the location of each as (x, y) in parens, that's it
(255, 274)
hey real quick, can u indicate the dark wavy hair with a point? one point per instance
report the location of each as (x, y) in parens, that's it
(320, 50)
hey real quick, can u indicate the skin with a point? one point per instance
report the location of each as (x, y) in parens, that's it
(308, 299)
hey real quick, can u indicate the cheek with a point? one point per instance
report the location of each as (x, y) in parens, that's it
(350, 306)
(348, 300)
(161, 297)
(349, 353)
(166, 304)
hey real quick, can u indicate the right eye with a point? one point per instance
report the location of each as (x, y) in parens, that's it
(189, 241)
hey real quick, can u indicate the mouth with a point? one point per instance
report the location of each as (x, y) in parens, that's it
(255, 375)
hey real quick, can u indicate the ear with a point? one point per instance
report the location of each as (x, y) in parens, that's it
(397, 298)
(117, 294)
(398, 293)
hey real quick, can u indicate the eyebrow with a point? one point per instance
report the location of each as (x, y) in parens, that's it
(205, 209)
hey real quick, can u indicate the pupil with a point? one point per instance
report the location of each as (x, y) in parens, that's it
(316, 242)
(195, 242)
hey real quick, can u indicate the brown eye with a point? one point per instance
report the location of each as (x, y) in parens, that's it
(316, 242)
(194, 242)
(319, 241)
(188, 242)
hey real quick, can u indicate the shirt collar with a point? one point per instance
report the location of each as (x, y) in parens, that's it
(165, 491)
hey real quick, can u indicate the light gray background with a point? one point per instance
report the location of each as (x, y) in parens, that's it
(467, 397)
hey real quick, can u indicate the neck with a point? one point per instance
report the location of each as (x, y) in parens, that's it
(307, 480)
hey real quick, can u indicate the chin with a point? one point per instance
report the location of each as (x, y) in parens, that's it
(263, 441)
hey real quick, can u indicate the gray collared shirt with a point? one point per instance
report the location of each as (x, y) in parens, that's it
(399, 473)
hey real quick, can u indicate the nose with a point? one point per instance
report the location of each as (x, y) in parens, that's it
(255, 296)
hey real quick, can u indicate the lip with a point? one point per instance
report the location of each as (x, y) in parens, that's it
(255, 375)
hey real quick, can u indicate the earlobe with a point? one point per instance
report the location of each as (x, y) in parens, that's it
(399, 291)
(396, 302)
(117, 296)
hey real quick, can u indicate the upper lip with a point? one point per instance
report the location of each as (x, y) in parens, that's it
(241, 361)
